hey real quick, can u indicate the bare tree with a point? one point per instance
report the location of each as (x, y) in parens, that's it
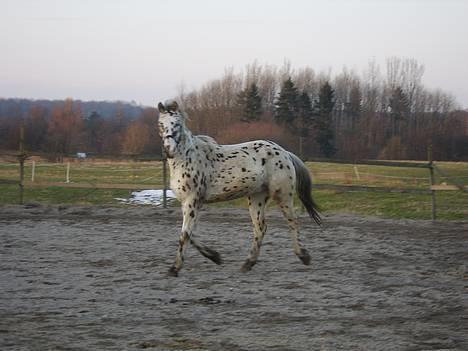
(65, 127)
(268, 86)
(135, 139)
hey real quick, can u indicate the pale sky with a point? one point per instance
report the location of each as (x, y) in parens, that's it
(143, 50)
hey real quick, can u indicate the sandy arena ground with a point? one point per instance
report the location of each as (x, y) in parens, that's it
(83, 278)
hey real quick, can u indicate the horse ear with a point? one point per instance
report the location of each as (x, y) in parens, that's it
(173, 106)
(161, 108)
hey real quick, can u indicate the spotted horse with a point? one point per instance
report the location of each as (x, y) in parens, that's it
(202, 171)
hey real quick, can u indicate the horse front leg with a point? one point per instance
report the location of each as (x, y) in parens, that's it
(190, 217)
(191, 212)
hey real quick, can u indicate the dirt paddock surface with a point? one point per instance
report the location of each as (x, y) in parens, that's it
(84, 278)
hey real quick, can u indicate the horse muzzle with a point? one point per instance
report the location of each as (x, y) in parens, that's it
(170, 148)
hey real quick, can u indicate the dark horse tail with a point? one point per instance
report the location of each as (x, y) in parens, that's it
(304, 188)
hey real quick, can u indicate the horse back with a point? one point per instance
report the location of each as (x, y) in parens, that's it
(252, 167)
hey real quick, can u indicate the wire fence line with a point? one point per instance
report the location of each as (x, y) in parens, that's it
(67, 168)
(68, 171)
(375, 175)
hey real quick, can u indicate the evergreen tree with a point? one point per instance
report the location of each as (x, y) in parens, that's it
(305, 120)
(93, 126)
(250, 103)
(295, 111)
(287, 105)
(400, 109)
(323, 122)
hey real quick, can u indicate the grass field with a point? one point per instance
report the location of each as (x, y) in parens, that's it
(451, 205)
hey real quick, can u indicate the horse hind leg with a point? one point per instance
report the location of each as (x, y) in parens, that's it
(206, 251)
(287, 208)
(257, 203)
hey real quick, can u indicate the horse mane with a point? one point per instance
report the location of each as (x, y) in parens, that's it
(207, 139)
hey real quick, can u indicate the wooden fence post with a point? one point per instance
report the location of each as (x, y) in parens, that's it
(21, 157)
(67, 180)
(432, 179)
(164, 181)
(356, 172)
(33, 171)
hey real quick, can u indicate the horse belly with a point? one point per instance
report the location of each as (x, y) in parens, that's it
(233, 189)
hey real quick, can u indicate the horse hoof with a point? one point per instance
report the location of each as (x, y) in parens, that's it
(217, 259)
(247, 266)
(213, 256)
(304, 257)
(173, 272)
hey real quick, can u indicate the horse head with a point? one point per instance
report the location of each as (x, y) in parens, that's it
(171, 126)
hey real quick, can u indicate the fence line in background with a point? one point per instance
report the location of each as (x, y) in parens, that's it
(88, 185)
(409, 164)
(370, 188)
(334, 175)
(433, 188)
(68, 171)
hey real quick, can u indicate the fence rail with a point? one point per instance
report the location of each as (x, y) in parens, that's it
(374, 163)
(86, 185)
(371, 188)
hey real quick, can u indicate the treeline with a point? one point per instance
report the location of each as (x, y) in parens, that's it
(382, 113)
(386, 114)
(68, 126)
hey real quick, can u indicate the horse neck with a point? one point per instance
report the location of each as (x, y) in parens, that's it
(186, 143)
